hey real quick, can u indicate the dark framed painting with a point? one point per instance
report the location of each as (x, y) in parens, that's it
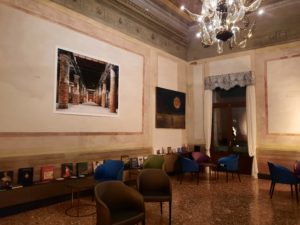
(170, 109)
(85, 85)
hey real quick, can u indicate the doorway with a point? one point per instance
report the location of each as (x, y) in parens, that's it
(229, 128)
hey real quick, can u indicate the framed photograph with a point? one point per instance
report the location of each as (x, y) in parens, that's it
(47, 173)
(6, 178)
(170, 109)
(25, 176)
(85, 85)
(66, 170)
(82, 169)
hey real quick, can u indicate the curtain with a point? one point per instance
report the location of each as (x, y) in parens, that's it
(227, 81)
(207, 119)
(251, 125)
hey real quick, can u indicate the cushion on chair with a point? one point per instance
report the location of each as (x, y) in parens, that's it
(200, 157)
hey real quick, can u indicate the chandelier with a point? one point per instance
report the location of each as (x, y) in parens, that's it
(225, 21)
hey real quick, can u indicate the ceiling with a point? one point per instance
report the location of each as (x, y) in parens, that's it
(162, 24)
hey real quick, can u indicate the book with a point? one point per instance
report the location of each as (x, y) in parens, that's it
(47, 173)
(169, 150)
(96, 164)
(126, 161)
(16, 186)
(134, 162)
(82, 169)
(66, 170)
(25, 176)
(140, 161)
(6, 178)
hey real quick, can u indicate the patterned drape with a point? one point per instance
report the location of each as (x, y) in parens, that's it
(227, 81)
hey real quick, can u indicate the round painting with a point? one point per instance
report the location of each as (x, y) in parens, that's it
(176, 102)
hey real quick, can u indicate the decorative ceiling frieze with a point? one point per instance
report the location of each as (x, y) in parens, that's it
(119, 14)
(161, 24)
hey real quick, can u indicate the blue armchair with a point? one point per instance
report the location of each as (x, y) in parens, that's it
(189, 166)
(229, 164)
(110, 170)
(282, 175)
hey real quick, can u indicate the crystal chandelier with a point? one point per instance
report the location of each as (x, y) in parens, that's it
(225, 21)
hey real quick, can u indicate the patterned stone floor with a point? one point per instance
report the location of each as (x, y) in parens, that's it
(212, 202)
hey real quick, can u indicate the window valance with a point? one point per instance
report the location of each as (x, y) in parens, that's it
(227, 81)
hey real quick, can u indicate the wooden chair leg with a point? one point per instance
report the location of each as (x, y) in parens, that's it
(270, 188)
(296, 189)
(272, 191)
(170, 212)
(160, 208)
(291, 190)
(227, 176)
(198, 177)
(238, 173)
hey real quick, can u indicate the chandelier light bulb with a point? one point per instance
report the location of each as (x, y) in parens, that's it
(198, 35)
(230, 2)
(260, 12)
(182, 8)
(199, 19)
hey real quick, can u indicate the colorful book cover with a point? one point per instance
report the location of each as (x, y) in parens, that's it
(140, 161)
(6, 178)
(82, 169)
(96, 164)
(25, 176)
(66, 170)
(126, 161)
(47, 173)
(134, 162)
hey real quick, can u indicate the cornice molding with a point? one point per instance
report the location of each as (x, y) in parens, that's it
(123, 18)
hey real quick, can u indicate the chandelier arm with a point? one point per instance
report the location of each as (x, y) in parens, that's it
(225, 21)
(253, 6)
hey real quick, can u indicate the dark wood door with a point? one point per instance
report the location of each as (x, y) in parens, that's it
(229, 128)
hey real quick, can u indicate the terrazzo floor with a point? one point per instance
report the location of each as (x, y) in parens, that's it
(212, 202)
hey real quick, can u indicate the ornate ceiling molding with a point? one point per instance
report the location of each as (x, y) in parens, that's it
(120, 15)
(160, 24)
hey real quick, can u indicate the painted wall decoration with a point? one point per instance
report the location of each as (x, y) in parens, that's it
(170, 109)
(85, 85)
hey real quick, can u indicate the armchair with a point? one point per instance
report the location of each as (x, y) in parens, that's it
(229, 164)
(110, 170)
(154, 161)
(282, 175)
(189, 166)
(118, 204)
(155, 186)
